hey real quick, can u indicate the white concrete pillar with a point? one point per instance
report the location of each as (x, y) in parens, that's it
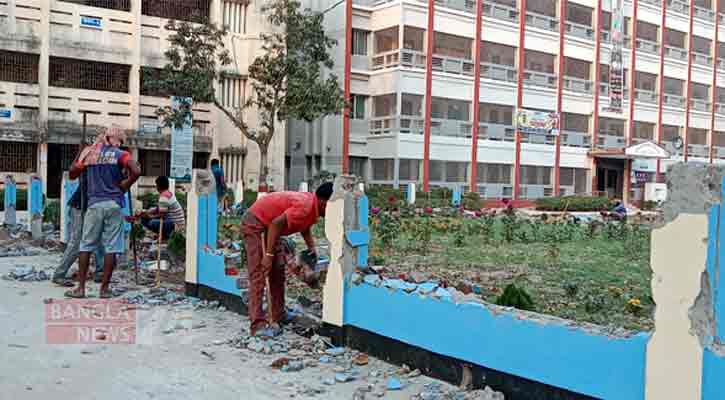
(411, 193)
(192, 230)
(304, 187)
(239, 192)
(44, 64)
(172, 185)
(134, 87)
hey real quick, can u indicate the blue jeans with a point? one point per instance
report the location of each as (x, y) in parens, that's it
(153, 226)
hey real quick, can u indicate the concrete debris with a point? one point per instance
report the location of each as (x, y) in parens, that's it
(436, 391)
(343, 377)
(27, 273)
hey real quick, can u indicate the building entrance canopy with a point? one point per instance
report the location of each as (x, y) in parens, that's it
(645, 150)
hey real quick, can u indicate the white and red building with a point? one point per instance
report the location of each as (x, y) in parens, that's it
(427, 77)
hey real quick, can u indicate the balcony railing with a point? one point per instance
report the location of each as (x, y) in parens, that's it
(540, 79)
(500, 11)
(580, 30)
(698, 150)
(678, 6)
(607, 141)
(676, 52)
(394, 58)
(718, 152)
(538, 139)
(489, 131)
(371, 3)
(645, 96)
(577, 85)
(533, 192)
(415, 125)
(702, 59)
(452, 65)
(704, 13)
(605, 36)
(360, 62)
(604, 90)
(700, 105)
(674, 100)
(463, 5)
(721, 63)
(647, 46)
(498, 72)
(542, 21)
(720, 108)
(576, 139)
(652, 2)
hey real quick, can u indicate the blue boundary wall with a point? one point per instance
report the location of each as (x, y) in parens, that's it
(582, 360)
(35, 196)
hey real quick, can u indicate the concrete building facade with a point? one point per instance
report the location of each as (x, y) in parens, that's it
(61, 60)
(492, 57)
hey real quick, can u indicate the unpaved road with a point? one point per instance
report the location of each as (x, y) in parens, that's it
(168, 366)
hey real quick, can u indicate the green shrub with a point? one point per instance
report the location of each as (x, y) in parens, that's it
(51, 213)
(149, 199)
(250, 196)
(573, 203)
(516, 297)
(181, 197)
(649, 205)
(472, 201)
(21, 199)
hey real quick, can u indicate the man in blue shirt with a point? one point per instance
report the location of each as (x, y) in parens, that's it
(221, 185)
(104, 163)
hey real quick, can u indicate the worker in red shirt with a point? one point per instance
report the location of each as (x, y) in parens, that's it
(268, 220)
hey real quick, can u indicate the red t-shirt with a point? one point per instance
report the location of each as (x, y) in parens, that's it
(299, 207)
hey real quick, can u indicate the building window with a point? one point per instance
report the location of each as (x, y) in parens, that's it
(411, 104)
(535, 175)
(700, 91)
(200, 160)
(154, 162)
(357, 108)
(234, 15)
(385, 105)
(450, 109)
(182, 10)
(718, 139)
(358, 167)
(233, 92)
(576, 177)
(670, 133)
(413, 38)
(494, 173)
(383, 169)
(452, 46)
(360, 42)
(673, 86)
(611, 127)
(645, 81)
(18, 157)
(90, 75)
(574, 122)
(643, 130)
(499, 54)
(701, 45)
(121, 5)
(386, 40)
(409, 170)
(456, 172)
(436, 170)
(539, 62)
(576, 68)
(697, 136)
(495, 114)
(18, 67)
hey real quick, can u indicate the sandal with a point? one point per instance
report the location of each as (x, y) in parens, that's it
(75, 294)
(63, 282)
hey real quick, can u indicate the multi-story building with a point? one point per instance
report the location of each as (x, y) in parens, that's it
(63, 60)
(548, 55)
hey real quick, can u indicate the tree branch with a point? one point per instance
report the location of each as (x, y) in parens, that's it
(237, 122)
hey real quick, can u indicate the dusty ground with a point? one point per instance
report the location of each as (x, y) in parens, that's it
(204, 360)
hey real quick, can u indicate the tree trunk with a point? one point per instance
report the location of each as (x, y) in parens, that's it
(263, 168)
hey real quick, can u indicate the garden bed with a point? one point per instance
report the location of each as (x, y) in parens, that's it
(595, 272)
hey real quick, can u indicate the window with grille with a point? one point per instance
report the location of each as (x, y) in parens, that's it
(383, 169)
(386, 40)
(182, 10)
(385, 105)
(148, 76)
(697, 136)
(18, 67)
(155, 162)
(494, 173)
(91, 75)
(357, 110)
(357, 167)
(436, 170)
(234, 14)
(18, 156)
(495, 113)
(576, 177)
(456, 171)
(121, 5)
(200, 160)
(409, 170)
(575, 122)
(360, 42)
(644, 130)
(535, 175)
(670, 132)
(233, 92)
